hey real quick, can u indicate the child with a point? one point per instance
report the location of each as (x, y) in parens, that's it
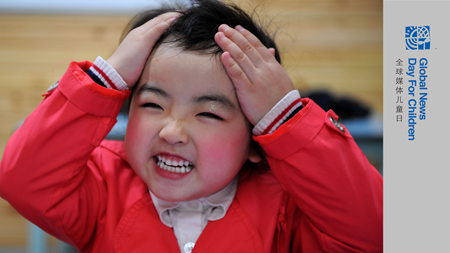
(185, 178)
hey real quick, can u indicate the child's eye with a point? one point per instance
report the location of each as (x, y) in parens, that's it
(209, 115)
(151, 105)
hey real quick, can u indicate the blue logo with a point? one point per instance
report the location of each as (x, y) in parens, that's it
(417, 37)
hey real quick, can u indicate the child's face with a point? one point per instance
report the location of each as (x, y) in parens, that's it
(185, 110)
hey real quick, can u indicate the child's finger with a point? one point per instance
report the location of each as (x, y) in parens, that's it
(243, 43)
(236, 53)
(272, 51)
(264, 52)
(154, 28)
(235, 72)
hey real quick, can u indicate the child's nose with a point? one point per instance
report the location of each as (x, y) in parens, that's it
(173, 132)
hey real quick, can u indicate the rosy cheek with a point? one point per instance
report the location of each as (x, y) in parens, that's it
(135, 136)
(212, 148)
(224, 147)
(132, 133)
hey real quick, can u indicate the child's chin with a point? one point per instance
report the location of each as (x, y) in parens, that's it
(175, 197)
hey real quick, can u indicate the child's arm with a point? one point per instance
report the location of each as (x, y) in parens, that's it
(314, 159)
(46, 172)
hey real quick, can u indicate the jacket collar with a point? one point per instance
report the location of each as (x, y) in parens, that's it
(141, 230)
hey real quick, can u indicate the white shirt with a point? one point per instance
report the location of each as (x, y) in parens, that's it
(189, 218)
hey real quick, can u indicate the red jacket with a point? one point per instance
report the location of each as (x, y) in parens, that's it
(321, 194)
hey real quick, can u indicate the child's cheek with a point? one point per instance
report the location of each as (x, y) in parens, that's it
(226, 147)
(136, 139)
(130, 143)
(132, 133)
(213, 147)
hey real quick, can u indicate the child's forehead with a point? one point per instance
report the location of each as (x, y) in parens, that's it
(169, 61)
(170, 65)
(166, 50)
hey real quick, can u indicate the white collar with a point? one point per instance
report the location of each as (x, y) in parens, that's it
(221, 200)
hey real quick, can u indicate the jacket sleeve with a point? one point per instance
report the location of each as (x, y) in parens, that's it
(44, 171)
(339, 193)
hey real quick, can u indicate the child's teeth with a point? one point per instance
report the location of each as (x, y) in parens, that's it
(173, 166)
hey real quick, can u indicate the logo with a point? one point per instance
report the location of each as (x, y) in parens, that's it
(417, 37)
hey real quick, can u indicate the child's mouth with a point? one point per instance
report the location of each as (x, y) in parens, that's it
(172, 164)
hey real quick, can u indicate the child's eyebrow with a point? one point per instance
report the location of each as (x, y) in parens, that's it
(148, 87)
(218, 98)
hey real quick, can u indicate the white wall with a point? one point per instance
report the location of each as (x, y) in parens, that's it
(79, 6)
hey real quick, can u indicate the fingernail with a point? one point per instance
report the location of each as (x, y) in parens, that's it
(223, 27)
(239, 28)
(226, 55)
(171, 19)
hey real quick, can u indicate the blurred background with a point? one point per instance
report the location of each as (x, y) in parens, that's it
(332, 49)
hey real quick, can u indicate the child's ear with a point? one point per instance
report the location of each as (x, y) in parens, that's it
(254, 156)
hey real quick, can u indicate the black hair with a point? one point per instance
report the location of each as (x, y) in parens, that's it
(195, 29)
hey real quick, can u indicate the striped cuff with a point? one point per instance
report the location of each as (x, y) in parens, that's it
(279, 113)
(107, 75)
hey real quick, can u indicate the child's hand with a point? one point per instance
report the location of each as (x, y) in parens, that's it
(130, 57)
(259, 79)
